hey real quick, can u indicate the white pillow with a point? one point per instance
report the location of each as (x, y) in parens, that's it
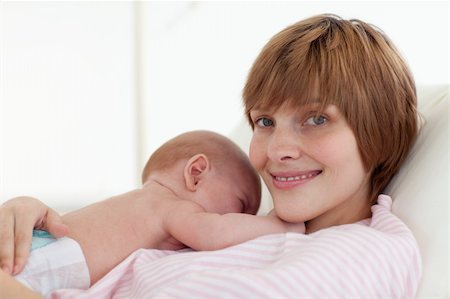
(420, 192)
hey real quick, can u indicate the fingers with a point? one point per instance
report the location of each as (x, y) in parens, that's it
(24, 225)
(21, 216)
(6, 242)
(54, 225)
(23, 230)
(22, 244)
(18, 217)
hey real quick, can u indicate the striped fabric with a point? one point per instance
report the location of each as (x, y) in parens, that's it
(375, 258)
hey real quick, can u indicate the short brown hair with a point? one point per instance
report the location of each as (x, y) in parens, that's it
(352, 65)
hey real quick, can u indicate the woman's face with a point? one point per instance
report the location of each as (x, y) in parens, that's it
(311, 165)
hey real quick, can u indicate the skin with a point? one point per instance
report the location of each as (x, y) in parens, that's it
(12, 289)
(166, 213)
(16, 215)
(328, 184)
(192, 204)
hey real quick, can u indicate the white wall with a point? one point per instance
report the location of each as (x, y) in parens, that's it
(197, 54)
(80, 81)
(67, 101)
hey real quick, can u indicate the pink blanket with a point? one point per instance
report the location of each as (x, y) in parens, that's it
(375, 258)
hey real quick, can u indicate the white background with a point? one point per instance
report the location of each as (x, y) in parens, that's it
(89, 89)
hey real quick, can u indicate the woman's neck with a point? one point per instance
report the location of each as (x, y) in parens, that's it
(346, 213)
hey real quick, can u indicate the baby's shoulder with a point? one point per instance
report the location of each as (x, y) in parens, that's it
(175, 206)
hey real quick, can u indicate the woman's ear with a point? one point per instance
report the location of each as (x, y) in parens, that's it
(194, 171)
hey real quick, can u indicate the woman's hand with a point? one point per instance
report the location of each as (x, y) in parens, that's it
(18, 217)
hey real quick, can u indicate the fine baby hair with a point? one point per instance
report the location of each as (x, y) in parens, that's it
(225, 156)
(218, 148)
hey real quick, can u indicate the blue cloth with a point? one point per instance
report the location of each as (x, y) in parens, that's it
(40, 239)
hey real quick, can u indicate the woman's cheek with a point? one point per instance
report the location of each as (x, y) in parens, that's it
(257, 154)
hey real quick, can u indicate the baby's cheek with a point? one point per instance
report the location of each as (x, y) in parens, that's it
(237, 207)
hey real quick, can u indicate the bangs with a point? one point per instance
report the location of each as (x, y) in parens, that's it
(286, 84)
(326, 60)
(307, 69)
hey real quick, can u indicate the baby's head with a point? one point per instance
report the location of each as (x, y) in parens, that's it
(215, 171)
(349, 64)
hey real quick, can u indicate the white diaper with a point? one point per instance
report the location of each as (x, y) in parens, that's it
(55, 264)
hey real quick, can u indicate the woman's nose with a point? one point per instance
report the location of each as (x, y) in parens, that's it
(284, 145)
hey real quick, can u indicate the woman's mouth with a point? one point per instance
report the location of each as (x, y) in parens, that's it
(291, 180)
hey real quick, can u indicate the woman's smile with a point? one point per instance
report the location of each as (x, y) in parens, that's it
(312, 170)
(288, 180)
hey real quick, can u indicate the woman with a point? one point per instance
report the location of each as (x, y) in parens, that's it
(332, 105)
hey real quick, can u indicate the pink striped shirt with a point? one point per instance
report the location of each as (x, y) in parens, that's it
(374, 258)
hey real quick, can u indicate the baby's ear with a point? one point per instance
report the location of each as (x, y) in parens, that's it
(194, 171)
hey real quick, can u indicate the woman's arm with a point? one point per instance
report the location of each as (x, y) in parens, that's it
(12, 289)
(18, 217)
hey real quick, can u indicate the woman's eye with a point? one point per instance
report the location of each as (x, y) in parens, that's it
(264, 122)
(316, 120)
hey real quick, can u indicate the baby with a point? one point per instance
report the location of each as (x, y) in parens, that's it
(199, 191)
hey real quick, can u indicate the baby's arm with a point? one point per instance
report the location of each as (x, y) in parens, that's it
(191, 225)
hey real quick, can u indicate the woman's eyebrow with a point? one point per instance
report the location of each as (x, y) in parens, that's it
(258, 111)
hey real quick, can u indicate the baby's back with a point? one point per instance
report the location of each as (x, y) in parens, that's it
(110, 230)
